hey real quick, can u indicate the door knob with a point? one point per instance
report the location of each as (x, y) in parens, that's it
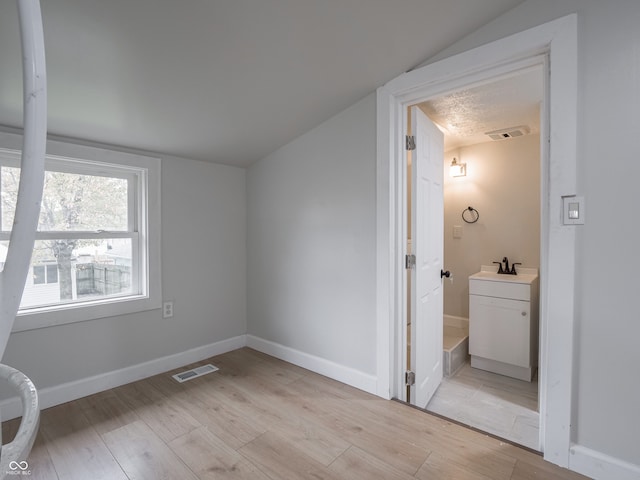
(445, 274)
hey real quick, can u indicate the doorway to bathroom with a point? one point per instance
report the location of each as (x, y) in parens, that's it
(491, 193)
(555, 43)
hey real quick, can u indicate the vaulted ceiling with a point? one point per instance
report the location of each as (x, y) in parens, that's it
(227, 81)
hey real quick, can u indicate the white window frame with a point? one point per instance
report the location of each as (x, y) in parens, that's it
(144, 220)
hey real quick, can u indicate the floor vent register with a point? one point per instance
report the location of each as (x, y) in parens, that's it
(194, 372)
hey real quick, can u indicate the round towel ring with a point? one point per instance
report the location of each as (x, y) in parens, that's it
(470, 215)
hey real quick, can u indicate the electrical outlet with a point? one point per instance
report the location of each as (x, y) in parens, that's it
(167, 310)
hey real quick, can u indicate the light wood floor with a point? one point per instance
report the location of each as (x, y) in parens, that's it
(261, 418)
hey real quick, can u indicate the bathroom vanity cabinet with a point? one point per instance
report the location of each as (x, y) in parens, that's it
(503, 322)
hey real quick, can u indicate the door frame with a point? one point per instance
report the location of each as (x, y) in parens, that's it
(553, 43)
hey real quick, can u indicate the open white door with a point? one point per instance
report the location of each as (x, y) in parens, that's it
(427, 219)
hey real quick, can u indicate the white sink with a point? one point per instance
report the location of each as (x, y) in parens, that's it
(525, 275)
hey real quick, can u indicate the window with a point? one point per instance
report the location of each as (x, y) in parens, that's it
(95, 245)
(38, 274)
(44, 274)
(52, 273)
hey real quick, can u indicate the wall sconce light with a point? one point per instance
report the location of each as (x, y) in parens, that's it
(457, 169)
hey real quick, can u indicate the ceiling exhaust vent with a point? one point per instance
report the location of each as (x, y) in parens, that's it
(194, 372)
(509, 132)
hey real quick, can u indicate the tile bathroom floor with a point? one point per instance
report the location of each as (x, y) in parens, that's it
(493, 403)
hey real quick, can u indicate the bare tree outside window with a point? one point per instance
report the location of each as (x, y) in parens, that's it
(71, 203)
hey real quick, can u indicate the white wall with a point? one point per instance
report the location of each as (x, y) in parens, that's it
(311, 242)
(607, 393)
(204, 273)
(503, 184)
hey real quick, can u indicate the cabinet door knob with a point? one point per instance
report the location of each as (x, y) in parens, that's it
(524, 314)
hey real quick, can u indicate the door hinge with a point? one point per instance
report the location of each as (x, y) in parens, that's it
(410, 142)
(409, 378)
(409, 261)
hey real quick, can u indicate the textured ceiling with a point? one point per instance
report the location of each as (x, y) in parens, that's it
(467, 115)
(227, 81)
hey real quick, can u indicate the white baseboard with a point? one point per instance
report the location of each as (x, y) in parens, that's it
(51, 396)
(600, 466)
(348, 375)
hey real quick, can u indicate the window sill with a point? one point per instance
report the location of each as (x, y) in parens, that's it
(50, 317)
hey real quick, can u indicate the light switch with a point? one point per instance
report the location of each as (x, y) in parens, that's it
(573, 210)
(457, 231)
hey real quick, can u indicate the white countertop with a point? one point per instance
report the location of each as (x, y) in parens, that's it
(489, 272)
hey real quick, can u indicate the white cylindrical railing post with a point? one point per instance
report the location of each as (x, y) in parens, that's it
(14, 454)
(12, 279)
(27, 212)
